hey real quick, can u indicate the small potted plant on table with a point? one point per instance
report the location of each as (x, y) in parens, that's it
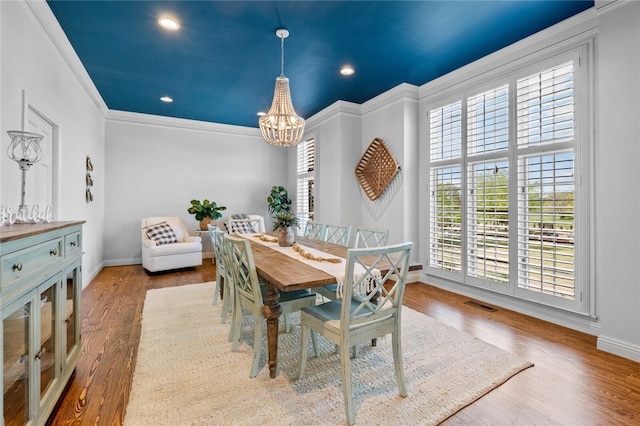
(284, 222)
(205, 212)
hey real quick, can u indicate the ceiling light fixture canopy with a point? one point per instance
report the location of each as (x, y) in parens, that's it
(281, 126)
(169, 23)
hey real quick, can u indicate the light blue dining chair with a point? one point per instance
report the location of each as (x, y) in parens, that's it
(314, 230)
(359, 316)
(366, 237)
(249, 296)
(338, 234)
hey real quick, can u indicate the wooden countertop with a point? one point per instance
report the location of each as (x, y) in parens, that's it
(23, 230)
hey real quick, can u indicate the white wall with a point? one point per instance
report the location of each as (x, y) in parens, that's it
(618, 179)
(337, 134)
(393, 117)
(157, 165)
(343, 132)
(37, 58)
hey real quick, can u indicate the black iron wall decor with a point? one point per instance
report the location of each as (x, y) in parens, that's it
(89, 179)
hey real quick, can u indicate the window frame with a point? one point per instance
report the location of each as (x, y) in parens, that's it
(582, 145)
(304, 214)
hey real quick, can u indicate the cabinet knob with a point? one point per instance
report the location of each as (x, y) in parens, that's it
(73, 244)
(54, 252)
(17, 267)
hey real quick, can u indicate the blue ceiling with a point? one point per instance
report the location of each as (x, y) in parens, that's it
(222, 63)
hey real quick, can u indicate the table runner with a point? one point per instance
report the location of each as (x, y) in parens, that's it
(335, 269)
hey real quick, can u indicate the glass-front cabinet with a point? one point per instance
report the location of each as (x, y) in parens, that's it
(40, 292)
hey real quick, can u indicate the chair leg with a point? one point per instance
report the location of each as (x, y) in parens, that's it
(287, 323)
(226, 301)
(314, 342)
(216, 290)
(257, 344)
(345, 368)
(397, 361)
(304, 337)
(236, 325)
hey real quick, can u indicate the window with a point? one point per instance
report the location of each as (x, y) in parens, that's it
(305, 181)
(546, 169)
(445, 189)
(502, 189)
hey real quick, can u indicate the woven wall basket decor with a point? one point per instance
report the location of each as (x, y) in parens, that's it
(376, 169)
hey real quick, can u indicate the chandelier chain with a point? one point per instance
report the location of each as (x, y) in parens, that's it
(281, 56)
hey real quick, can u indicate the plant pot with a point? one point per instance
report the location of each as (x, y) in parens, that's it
(204, 223)
(286, 237)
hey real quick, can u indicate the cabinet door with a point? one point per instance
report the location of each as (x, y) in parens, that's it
(70, 310)
(17, 323)
(46, 365)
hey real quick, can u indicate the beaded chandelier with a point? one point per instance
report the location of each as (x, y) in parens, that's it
(281, 126)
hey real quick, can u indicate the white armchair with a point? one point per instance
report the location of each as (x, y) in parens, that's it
(168, 247)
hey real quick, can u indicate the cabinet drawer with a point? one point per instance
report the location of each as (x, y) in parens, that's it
(16, 265)
(72, 244)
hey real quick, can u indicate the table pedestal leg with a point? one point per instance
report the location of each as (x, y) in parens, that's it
(271, 311)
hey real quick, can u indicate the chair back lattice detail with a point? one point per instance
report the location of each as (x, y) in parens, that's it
(242, 270)
(370, 238)
(366, 298)
(244, 226)
(338, 234)
(314, 230)
(217, 239)
(223, 285)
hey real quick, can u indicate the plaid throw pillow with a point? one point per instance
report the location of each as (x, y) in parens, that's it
(161, 233)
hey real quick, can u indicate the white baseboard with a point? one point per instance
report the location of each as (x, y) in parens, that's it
(414, 276)
(121, 262)
(619, 347)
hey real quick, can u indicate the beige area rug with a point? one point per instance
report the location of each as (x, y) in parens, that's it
(186, 373)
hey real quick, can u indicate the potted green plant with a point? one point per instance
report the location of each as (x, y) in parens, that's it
(284, 222)
(278, 200)
(205, 212)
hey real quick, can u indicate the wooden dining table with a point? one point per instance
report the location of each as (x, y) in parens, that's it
(283, 273)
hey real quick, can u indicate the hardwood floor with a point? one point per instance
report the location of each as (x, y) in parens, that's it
(572, 383)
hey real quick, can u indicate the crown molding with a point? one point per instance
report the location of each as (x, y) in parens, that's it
(333, 110)
(179, 123)
(402, 92)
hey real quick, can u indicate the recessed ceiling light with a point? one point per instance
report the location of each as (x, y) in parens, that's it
(347, 70)
(166, 99)
(169, 23)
